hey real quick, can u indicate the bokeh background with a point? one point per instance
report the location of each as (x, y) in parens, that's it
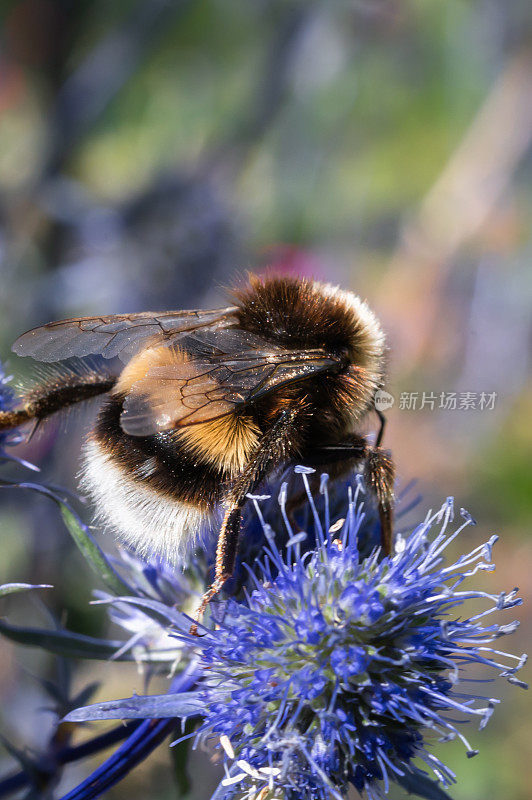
(152, 151)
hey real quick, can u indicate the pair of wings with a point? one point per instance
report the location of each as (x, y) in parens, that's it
(224, 369)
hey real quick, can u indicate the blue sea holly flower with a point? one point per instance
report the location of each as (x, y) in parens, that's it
(328, 667)
(9, 438)
(340, 670)
(7, 402)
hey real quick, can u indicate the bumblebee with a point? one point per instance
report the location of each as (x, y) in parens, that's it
(204, 405)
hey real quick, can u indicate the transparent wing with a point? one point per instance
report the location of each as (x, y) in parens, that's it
(223, 370)
(120, 335)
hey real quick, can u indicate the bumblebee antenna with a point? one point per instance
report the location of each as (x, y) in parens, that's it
(380, 434)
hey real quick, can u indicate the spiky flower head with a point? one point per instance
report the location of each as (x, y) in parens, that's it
(7, 402)
(328, 668)
(9, 438)
(340, 670)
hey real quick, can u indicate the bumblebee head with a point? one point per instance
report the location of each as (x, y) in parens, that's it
(355, 325)
(356, 330)
(304, 314)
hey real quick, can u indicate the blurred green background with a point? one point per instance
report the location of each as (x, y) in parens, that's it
(151, 152)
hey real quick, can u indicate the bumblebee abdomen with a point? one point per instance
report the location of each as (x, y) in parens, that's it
(152, 491)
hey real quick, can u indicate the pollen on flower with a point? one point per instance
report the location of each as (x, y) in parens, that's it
(227, 746)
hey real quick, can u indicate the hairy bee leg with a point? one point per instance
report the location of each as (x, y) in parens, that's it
(386, 520)
(44, 400)
(342, 455)
(386, 502)
(226, 552)
(12, 419)
(379, 472)
(272, 450)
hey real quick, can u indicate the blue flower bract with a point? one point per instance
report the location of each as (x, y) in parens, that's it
(339, 670)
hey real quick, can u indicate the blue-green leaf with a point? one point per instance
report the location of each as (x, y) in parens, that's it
(65, 643)
(162, 706)
(14, 588)
(92, 552)
(89, 548)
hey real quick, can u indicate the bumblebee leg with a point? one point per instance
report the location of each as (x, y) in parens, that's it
(59, 392)
(226, 552)
(271, 451)
(337, 458)
(12, 419)
(380, 476)
(379, 472)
